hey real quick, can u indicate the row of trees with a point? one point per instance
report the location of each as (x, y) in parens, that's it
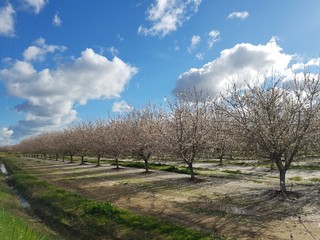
(273, 119)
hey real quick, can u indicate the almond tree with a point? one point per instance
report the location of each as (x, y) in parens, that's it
(69, 146)
(117, 138)
(276, 116)
(25, 147)
(221, 140)
(40, 145)
(95, 137)
(186, 127)
(53, 143)
(142, 133)
(81, 140)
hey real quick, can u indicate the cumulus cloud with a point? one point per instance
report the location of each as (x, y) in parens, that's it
(195, 40)
(51, 94)
(56, 21)
(38, 51)
(244, 61)
(241, 15)
(7, 21)
(121, 107)
(167, 15)
(5, 136)
(213, 37)
(304, 66)
(35, 5)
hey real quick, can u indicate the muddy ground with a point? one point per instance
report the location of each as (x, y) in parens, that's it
(234, 200)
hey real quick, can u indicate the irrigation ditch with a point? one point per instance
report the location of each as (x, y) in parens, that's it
(24, 203)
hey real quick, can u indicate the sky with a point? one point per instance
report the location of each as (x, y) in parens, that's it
(63, 61)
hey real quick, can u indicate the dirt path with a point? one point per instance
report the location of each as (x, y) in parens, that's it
(244, 208)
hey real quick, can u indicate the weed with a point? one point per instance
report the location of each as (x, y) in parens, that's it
(314, 179)
(232, 171)
(296, 178)
(156, 166)
(306, 167)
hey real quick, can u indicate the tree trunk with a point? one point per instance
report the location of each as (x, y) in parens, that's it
(283, 181)
(82, 161)
(98, 161)
(71, 158)
(145, 158)
(273, 160)
(220, 156)
(146, 164)
(63, 158)
(190, 166)
(57, 156)
(117, 163)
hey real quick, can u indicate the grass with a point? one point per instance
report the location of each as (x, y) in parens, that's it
(17, 227)
(305, 167)
(296, 178)
(14, 222)
(81, 218)
(314, 179)
(155, 166)
(232, 171)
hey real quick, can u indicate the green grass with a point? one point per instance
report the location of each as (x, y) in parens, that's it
(296, 178)
(14, 222)
(305, 167)
(83, 218)
(314, 179)
(17, 227)
(232, 171)
(155, 166)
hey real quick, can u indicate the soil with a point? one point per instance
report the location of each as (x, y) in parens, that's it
(246, 206)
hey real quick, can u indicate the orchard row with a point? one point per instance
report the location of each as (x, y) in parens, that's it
(275, 119)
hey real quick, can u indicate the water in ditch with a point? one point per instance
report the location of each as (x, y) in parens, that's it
(21, 199)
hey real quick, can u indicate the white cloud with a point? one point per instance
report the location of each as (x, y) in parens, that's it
(167, 15)
(114, 52)
(7, 21)
(56, 21)
(199, 56)
(120, 38)
(50, 94)
(38, 51)
(5, 135)
(35, 5)
(241, 15)
(304, 66)
(242, 62)
(213, 37)
(121, 107)
(195, 40)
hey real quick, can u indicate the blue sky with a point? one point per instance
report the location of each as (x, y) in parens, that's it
(67, 60)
